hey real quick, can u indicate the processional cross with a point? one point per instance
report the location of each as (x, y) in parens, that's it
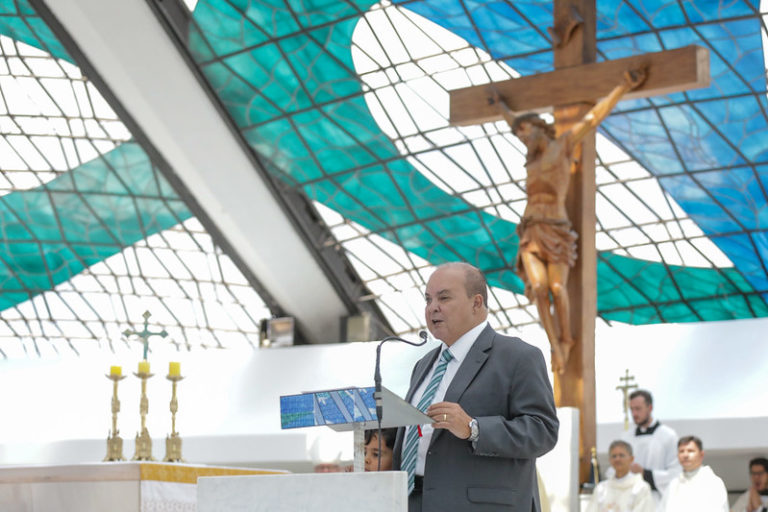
(572, 89)
(625, 389)
(145, 333)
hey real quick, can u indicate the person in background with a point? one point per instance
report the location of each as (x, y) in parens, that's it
(624, 491)
(755, 499)
(654, 445)
(372, 453)
(329, 467)
(698, 488)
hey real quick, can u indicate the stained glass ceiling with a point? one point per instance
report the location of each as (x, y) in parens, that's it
(351, 108)
(346, 101)
(93, 234)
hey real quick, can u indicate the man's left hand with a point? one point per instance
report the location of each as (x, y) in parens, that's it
(451, 416)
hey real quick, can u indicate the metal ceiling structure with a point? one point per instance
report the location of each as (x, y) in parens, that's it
(123, 198)
(232, 105)
(347, 101)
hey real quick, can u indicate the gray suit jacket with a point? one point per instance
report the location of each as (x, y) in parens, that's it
(503, 383)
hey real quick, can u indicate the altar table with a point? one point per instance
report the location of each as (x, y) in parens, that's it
(113, 486)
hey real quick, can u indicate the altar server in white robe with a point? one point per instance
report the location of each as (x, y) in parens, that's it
(624, 491)
(697, 488)
(654, 445)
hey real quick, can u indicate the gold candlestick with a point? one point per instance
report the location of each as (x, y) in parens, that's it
(173, 441)
(143, 441)
(114, 441)
(595, 465)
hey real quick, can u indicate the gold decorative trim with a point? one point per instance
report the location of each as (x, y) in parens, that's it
(189, 474)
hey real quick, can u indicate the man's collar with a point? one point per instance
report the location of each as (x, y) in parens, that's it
(461, 346)
(692, 473)
(650, 430)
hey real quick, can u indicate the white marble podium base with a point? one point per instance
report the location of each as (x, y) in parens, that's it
(331, 492)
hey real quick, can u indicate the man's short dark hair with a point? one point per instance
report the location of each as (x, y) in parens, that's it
(622, 444)
(759, 461)
(387, 436)
(474, 280)
(643, 393)
(690, 439)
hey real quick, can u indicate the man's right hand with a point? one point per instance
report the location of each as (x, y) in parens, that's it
(636, 468)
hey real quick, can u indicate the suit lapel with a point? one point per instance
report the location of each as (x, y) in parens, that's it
(475, 360)
(421, 371)
(470, 366)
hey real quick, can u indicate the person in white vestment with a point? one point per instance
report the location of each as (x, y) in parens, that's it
(698, 488)
(654, 445)
(755, 499)
(624, 491)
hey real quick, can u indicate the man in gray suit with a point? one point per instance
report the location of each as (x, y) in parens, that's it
(491, 401)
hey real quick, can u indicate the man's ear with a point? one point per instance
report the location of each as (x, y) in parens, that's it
(477, 302)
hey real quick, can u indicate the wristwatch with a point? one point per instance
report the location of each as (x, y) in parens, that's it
(474, 431)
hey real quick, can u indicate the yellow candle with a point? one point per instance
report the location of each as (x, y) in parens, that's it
(143, 366)
(116, 371)
(174, 369)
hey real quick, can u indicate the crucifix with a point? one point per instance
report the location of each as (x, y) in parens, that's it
(572, 89)
(625, 389)
(145, 333)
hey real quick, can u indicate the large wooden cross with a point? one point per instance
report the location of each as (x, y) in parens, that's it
(575, 85)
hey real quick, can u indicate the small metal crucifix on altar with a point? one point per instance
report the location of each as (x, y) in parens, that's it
(145, 333)
(625, 389)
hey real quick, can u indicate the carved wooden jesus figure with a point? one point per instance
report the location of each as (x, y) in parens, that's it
(547, 243)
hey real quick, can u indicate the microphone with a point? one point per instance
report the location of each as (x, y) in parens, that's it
(377, 372)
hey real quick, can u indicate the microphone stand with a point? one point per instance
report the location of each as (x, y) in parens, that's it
(377, 381)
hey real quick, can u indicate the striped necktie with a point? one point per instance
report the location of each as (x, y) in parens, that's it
(411, 449)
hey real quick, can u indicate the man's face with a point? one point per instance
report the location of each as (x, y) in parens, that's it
(759, 477)
(641, 411)
(620, 460)
(690, 456)
(449, 312)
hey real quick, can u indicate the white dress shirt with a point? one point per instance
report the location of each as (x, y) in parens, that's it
(459, 352)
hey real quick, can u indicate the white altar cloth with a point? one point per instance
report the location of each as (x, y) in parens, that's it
(113, 486)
